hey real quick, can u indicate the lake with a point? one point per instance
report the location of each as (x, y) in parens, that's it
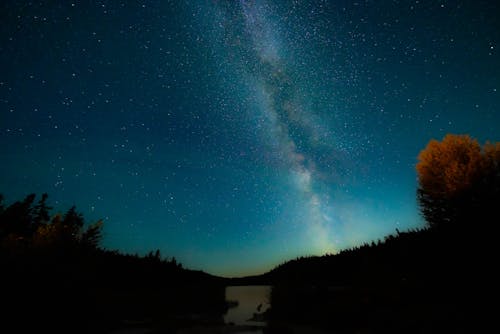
(253, 299)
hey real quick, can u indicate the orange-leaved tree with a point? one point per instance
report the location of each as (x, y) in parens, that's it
(458, 181)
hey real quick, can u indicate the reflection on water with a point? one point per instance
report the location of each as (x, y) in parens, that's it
(252, 302)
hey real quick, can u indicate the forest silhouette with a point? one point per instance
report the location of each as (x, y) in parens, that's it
(57, 277)
(427, 280)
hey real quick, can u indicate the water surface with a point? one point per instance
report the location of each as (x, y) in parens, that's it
(252, 299)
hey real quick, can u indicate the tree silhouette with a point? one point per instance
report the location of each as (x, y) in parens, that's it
(458, 181)
(42, 210)
(68, 232)
(1, 204)
(16, 220)
(91, 238)
(25, 223)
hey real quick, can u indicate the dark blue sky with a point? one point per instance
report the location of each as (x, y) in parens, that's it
(234, 135)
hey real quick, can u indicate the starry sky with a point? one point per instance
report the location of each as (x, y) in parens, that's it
(235, 135)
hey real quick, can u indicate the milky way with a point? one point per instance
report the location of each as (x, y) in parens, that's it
(287, 119)
(235, 135)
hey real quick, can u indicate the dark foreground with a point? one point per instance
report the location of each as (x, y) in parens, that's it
(410, 283)
(55, 278)
(101, 292)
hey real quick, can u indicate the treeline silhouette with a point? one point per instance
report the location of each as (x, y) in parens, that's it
(57, 277)
(431, 280)
(357, 263)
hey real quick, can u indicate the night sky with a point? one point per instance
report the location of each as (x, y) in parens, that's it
(235, 135)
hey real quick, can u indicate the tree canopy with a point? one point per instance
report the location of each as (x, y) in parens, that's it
(30, 224)
(458, 180)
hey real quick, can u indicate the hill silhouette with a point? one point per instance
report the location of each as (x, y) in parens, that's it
(430, 280)
(56, 277)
